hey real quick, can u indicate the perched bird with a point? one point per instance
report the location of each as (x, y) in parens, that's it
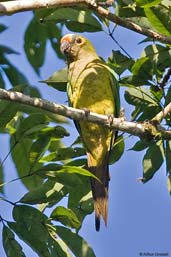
(92, 85)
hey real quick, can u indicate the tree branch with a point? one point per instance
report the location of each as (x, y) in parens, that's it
(145, 130)
(10, 7)
(163, 113)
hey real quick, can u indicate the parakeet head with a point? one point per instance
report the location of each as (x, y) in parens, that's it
(75, 47)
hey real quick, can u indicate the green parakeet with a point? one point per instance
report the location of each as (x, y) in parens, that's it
(93, 86)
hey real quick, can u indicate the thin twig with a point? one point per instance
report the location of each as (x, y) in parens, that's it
(119, 45)
(5, 200)
(165, 79)
(7, 155)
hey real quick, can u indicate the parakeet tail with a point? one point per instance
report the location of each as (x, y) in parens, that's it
(99, 189)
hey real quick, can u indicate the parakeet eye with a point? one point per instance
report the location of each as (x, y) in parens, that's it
(78, 40)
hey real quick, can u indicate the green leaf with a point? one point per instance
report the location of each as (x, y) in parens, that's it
(154, 60)
(35, 44)
(152, 160)
(139, 96)
(11, 246)
(64, 153)
(140, 146)
(120, 62)
(168, 97)
(2, 82)
(167, 101)
(6, 50)
(147, 3)
(75, 19)
(58, 247)
(65, 248)
(146, 106)
(58, 80)
(86, 204)
(80, 199)
(53, 132)
(117, 150)
(159, 57)
(76, 243)
(54, 34)
(132, 81)
(67, 175)
(128, 9)
(30, 226)
(144, 22)
(156, 92)
(14, 75)
(37, 149)
(20, 156)
(51, 172)
(31, 124)
(55, 170)
(142, 71)
(66, 216)
(45, 193)
(2, 27)
(81, 27)
(159, 18)
(76, 170)
(34, 228)
(168, 157)
(7, 112)
(138, 65)
(78, 162)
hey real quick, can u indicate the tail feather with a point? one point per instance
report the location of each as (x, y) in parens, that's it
(100, 190)
(101, 209)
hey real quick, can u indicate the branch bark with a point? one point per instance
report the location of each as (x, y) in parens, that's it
(10, 7)
(161, 115)
(145, 130)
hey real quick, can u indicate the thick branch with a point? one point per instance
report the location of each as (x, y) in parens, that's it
(10, 7)
(146, 130)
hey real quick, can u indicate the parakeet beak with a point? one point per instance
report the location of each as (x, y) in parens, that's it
(65, 46)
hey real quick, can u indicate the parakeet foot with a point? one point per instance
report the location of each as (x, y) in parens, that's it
(86, 111)
(110, 119)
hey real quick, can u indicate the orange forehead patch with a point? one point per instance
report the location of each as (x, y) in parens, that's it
(67, 38)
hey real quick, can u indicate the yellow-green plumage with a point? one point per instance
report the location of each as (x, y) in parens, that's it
(92, 87)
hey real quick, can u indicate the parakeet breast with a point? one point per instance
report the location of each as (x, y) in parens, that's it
(91, 89)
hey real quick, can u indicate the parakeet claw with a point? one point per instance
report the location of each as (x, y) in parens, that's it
(86, 111)
(110, 119)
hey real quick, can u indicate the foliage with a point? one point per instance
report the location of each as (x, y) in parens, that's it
(52, 171)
